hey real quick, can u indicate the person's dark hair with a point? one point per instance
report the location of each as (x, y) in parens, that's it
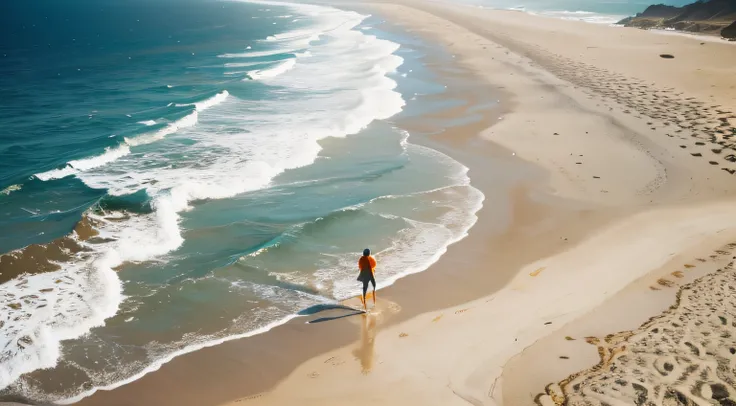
(366, 252)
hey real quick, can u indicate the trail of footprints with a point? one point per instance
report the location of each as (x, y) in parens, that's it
(709, 129)
(685, 356)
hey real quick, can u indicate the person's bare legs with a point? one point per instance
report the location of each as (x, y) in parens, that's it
(373, 281)
(365, 289)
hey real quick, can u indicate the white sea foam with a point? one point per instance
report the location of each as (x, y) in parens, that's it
(200, 343)
(243, 64)
(39, 311)
(207, 103)
(212, 101)
(189, 120)
(275, 71)
(81, 165)
(114, 153)
(147, 122)
(236, 72)
(580, 15)
(237, 146)
(587, 16)
(257, 54)
(422, 242)
(10, 189)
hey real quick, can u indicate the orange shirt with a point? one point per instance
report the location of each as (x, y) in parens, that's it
(365, 262)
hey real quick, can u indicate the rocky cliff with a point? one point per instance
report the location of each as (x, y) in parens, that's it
(704, 16)
(729, 32)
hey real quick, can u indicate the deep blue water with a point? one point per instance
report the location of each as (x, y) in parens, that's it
(77, 76)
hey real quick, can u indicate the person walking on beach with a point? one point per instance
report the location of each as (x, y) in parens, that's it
(367, 266)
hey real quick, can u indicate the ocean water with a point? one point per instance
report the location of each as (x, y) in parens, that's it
(175, 174)
(593, 11)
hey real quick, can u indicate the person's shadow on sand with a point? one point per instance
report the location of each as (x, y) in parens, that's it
(364, 352)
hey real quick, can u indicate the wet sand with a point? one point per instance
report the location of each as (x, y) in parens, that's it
(251, 366)
(588, 189)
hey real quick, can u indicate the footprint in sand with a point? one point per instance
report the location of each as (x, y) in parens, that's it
(402, 335)
(678, 274)
(260, 395)
(665, 282)
(334, 361)
(535, 273)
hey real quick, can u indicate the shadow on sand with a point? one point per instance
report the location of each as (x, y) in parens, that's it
(325, 307)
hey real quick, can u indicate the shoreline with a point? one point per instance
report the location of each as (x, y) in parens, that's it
(292, 332)
(533, 215)
(453, 381)
(157, 365)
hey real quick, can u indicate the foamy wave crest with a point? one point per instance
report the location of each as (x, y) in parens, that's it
(257, 54)
(189, 120)
(10, 189)
(212, 101)
(41, 310)
(579, 15)
(423, 241)
(113, 153)
(238, 147)
(147, 122)
(48, 308)
(309, 35)
(275, 71)
(207, 103)
(81, 165)
(242, 64)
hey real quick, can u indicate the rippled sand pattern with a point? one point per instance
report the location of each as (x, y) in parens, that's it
(686, 356)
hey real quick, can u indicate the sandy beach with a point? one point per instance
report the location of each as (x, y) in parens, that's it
(609, 180)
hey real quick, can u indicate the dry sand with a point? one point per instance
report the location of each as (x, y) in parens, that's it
(644, 142)
(606, 169)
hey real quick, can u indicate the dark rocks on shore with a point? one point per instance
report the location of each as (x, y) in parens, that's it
(713, 16)
(729, 32)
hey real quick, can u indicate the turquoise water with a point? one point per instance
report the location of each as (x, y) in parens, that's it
(172, 183)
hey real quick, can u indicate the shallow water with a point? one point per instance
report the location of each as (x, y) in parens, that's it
(229, 167)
